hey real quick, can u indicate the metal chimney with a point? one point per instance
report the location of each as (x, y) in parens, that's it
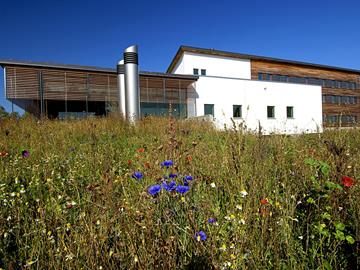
(121, 87)
(132, 92)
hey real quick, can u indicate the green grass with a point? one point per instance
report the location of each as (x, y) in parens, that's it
(72, 204)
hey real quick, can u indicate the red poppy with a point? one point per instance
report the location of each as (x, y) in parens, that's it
(140, 150)
(4, 154)
(264, 201)
(147, 165)
(347, 181)
(189, 158)
(129, 162)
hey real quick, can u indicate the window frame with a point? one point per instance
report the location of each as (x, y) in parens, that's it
(272, 112)
(195, 71)
(240, 111)
(291, 114)
(213, 109)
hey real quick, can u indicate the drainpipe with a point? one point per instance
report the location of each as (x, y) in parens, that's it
(121, 87)
(132, 92)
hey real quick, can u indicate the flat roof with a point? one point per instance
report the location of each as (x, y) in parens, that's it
(4, 63)
(183, 49)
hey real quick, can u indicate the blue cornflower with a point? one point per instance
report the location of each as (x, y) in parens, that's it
(200, 236)
(182, 189)
(25, 153)
(167, 163)
(211, 220)
(137, 175)
(172, 175)
(153, 190)
(188, 178)
(169, 187)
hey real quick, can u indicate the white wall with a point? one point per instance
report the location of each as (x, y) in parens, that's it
(228, 83)
(255, 96)
(214, 65)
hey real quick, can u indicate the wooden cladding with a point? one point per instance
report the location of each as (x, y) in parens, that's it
(29, 83)
(287, 69)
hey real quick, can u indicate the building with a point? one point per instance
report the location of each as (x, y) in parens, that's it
(279, 95)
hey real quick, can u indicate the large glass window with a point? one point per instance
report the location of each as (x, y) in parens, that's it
(237, 113)
(209, 109)
(271, 111)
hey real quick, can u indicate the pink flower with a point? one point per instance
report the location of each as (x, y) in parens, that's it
(347, 181)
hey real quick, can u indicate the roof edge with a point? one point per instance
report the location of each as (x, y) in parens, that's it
(182, 49)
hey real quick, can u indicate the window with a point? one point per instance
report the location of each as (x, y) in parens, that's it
(196, 71)
(209, 109)
(271, 111)
(290, 112)
(260, 76)
(237, 111)
(203, 72)
(267, 77)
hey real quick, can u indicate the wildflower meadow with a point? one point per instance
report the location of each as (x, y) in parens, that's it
(175, 194)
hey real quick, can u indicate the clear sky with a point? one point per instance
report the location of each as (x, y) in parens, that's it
(96, 32)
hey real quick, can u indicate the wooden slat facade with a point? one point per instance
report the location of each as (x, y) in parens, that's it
(28, 87)
(329, 109)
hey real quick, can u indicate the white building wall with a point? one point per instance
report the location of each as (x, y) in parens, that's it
(254, 97)
(214, 65)
(228, 82)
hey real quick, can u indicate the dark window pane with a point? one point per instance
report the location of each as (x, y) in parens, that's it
(290, 112)
(271, 111)
(209, 109)
(203, 72)
(283, 78)
(315, 81)
(260, 76)
(196, 71)
(237, 111)
(329, 83)
(276, 78)
(352, 85)
(267, 77)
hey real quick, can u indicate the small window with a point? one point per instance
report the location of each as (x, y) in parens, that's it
(283, 78)
(290, 112)
(271, 111)
(209, 109)
(260, 76)
(196, 71)
(237, 111)
(203, 72)
(268, 77)
(276, 78)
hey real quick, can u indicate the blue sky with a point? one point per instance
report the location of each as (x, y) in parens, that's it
(96, 32)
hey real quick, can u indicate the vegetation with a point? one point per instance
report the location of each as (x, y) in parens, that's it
(100, 194)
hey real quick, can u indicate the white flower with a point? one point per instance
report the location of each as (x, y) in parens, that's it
(238, 207)
(243, 193)
(213, 185)
(242, 221)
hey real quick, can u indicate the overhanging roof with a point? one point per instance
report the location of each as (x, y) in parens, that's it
(4, 63)
(214, 52)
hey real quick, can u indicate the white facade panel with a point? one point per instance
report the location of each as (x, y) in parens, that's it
(214, 66)
(254, 97)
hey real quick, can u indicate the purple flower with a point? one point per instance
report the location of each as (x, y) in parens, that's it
(188, 178)
(169, 187)
(137, 175)
(211, 220)
(182, 189)
(25, 153)
(167, 163)
(172, 175)
(153, 190)
(200, 236)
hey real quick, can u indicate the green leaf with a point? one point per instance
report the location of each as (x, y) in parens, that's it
(350, 239)
(310, 200)
(324, 168)
(339, 226)
(326, 216)
(310, 161)
(339, 235)
(327, 265)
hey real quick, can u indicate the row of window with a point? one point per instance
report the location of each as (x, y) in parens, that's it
(303, 80)
(340, 118)
(339, 99)
(237, 111)
(202, 71)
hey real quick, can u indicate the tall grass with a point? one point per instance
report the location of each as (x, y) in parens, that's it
(279, 202)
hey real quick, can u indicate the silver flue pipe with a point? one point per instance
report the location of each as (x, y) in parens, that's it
(121, 87)
(132, 92)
